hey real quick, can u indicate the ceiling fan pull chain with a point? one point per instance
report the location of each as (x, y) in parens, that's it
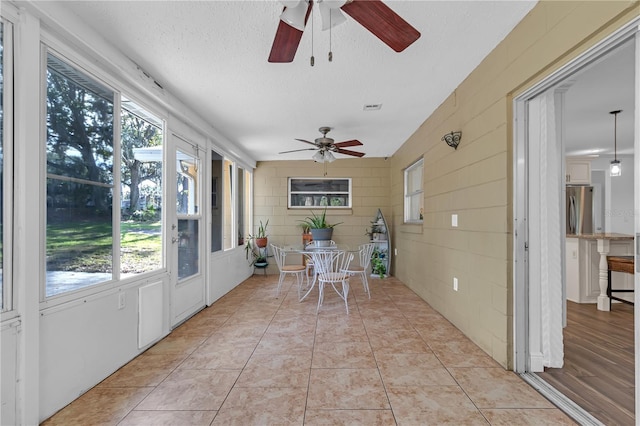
(330, 52)
(313, 61)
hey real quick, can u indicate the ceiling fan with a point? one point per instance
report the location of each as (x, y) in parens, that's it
(374, 15)
(325, 146)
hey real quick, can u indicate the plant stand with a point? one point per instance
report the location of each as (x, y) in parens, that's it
(264, 252)
(262, 266)
(382, 240)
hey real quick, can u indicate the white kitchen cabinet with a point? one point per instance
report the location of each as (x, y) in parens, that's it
(578, 171)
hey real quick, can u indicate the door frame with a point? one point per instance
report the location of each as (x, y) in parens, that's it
(192, 288)
(521, 300)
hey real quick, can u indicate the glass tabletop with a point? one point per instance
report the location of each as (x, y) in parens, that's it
(313, 248)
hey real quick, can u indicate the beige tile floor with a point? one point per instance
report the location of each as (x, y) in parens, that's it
(256, 359)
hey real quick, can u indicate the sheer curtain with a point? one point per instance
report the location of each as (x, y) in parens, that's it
(545, 233)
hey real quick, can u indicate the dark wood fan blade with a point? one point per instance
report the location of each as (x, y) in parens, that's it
(287, 39)
(353, 142)
(382, 22)
(349, 152)
(302, 140)
(296, 150)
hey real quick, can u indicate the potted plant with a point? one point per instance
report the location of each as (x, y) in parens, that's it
(255, 246)
(261, 237)
(254, 254)
(376, 232)
(320, 229)
(306, 235)
(377, 264)
(259, 260)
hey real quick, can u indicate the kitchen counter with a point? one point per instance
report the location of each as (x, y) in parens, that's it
(603, 241)
(602, 236)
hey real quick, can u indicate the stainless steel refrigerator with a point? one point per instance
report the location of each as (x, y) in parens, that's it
(579, 210)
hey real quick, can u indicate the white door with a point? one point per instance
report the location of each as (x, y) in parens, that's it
(187, 231)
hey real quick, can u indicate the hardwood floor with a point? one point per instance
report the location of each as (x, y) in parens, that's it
(598, 372)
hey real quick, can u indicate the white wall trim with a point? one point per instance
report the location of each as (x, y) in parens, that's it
(28, 177)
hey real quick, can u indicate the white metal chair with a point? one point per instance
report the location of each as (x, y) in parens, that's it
(329, 267)
(364, 253)
(298, 270)
(313, 245)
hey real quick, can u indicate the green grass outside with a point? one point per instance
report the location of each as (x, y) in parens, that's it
(86, 246)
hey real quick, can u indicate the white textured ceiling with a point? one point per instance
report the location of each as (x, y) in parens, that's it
(213, 56)
(604, 86)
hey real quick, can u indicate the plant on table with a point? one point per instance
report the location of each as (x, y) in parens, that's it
(317, 222)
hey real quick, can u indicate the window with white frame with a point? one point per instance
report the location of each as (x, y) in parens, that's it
(413, 193)
(141, 173)
(227, 193)
(90, 214)
(242, 201)
(80, 179)
(230, 203)
(217, 218)
(6, 136)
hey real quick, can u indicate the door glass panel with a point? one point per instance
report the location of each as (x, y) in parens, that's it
(187, 205)
(187, 184)
(187, 248)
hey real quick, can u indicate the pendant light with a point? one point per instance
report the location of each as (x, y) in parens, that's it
(615, 169)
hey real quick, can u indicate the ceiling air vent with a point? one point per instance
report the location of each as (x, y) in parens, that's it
(372, 107)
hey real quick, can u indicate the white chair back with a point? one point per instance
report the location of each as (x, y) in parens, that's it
(329, 265)
(278, 254)
(365, 252)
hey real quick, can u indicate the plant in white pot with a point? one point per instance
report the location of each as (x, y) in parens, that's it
(320, 229)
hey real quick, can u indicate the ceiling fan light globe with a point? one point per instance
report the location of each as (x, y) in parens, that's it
(290, 3)
(333, 4)
(294, 16)
(318, 157)
(331, 17)
(328, 157)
